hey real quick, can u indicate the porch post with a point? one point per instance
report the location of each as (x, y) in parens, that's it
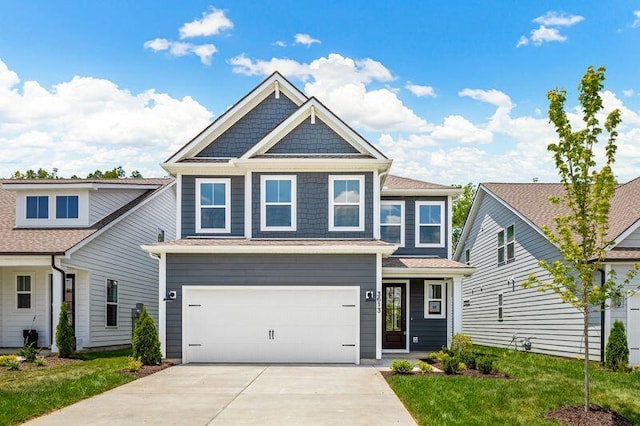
(378, 306)
(457, 305)
(56, 302)
(162, 304)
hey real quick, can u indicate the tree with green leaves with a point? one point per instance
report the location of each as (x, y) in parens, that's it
(64, 333)
(461, 208)
(146, 343)
(581, 234)
(33, 174)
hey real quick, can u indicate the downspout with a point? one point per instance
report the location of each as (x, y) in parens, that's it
(602, 325)
(64, 279)
(53, 265)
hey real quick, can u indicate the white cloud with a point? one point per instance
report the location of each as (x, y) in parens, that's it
(636, 21)
(457, 128)
(178, 48)
(558, 19)
(420, 90)
(628, 93)
(523, 41)
(280, 43)
(211, 23)
(343, 84)
(88, 123)
(545, 35)
(305, 39)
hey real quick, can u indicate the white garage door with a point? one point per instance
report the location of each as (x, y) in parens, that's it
(271, 324)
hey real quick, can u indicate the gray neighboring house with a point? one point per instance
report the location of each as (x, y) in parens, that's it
(78, 241)
(294, 244)
(503, 240)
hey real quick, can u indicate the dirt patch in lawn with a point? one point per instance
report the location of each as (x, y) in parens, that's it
(465, 373)
(576, 416)
(50, 361)
(147, 370)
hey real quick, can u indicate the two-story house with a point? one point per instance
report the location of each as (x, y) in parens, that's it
(78, 241)
(295, 245)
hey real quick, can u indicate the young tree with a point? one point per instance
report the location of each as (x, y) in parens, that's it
(32, 174)
(146, 343)
(581, 233)
(461, 208)
(64, 333)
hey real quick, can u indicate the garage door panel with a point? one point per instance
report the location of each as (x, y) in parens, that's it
(275, 324)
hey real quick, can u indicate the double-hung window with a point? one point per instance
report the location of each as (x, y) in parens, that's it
(278, 203)
(23, 292)
(500, 306)
(112, 303)
(435, 297)
(213, 205)
(392, 222)
(467, 257)
(346, 203)
(506, 244)
(66, 207)
(430, 224)
(37, 207)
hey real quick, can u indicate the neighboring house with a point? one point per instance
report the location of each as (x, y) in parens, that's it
(287, 223)
(504, 241)
(78, 241)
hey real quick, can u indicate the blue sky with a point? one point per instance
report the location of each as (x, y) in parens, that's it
(454, 91)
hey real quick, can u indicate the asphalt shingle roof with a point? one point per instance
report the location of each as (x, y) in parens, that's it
(399, 182)
(421, 262)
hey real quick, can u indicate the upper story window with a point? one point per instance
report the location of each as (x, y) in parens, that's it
(213, 205)
(66, 207)
(506, 244)
(467, 257)
(278, 203)
(392, 222)
(430, 224)
(37, 207)
(346, 203)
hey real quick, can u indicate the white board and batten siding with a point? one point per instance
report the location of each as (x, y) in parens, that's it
(116, 255)
(103, 202)
(555, 326)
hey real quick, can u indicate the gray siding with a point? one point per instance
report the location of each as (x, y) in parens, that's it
(189, 205)
(410, 228)
(105, 201)
(556, 326)
(431, 333)
(313, 208)
(259, 269)
(310, 138)
(263, 118)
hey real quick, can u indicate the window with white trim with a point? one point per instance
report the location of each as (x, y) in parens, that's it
(213, 205)
(346, 203)
(37, 207)
(392, 222)
(278, 203)
(506, 244)
(112, 303)
(467, 257)
(66, 206)
(23, 291)
(430, 224)
(434, 295)
(500, 306)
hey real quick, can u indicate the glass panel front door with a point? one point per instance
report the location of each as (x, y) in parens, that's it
(394, 316)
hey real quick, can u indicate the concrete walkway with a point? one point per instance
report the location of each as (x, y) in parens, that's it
(243, 395)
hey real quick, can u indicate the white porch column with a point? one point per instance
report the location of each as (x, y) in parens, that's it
(457, 305)
(162, 304)
(56, 303)
(378, 306)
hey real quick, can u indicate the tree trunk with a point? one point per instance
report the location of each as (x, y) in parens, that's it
(585, 332)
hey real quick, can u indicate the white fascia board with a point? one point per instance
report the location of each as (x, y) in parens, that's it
(620, 238)
(314, 164)
(59, 186)
(385, 251)
(426, 273)
(236, 112)
(452, 192)
(227, 169)
(25, 260)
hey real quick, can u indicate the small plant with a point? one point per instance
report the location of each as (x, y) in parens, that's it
(64, 333)
(40, 361)
(146, 343)
(445, 350)
(134, 365)
(460, 343)
(450, 365)
(469, 358)
(29, 352)
(484, 364)
(617, 351)
(5, 360)
(401, 366)
(425, 367)
(462, 366)
(12, 364)
(636, 369)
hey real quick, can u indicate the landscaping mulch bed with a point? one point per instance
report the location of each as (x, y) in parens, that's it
(51, 361)
(576, 416)
(469, 372)
(146, 370)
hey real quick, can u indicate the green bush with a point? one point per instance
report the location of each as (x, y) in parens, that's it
(469, 358)
(617, 351)
(146, 344)
(13, 364)
(484, 364)
(41, 361)
(401, 366)
(64, 333)
(5, 360)
(460, 343)
(450, 365)
(29, 352)
(134, 364)
(425, 367)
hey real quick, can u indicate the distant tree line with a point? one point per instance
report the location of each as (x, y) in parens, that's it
(115, 173)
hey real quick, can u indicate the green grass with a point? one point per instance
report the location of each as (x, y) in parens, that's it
(30, 393)
(540, 384)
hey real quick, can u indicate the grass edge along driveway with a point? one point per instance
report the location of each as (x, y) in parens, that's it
(539, 384)
(30, 393)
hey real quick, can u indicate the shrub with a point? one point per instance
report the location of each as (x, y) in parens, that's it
(617, 351)
(146, 344)
(425, 367)
(29, 352)
(462, 366)
(484, 364)
(401, 366)
(64, 333)
(460, 343)
(450, 365)
(13, 364)
(41, 361)
(636, 369)
(5, 360)
(432, 357)
(469, 358)
(134, 364)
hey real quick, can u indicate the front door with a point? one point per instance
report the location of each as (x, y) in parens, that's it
(633, 329)
(394, 335)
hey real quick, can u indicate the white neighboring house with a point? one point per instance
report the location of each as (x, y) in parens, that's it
(78, 241)
(504, 241)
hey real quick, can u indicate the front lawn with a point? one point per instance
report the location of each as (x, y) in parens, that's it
(30, 393)
(539, 384)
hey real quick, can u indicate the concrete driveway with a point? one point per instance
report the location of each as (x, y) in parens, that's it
(243, 395)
